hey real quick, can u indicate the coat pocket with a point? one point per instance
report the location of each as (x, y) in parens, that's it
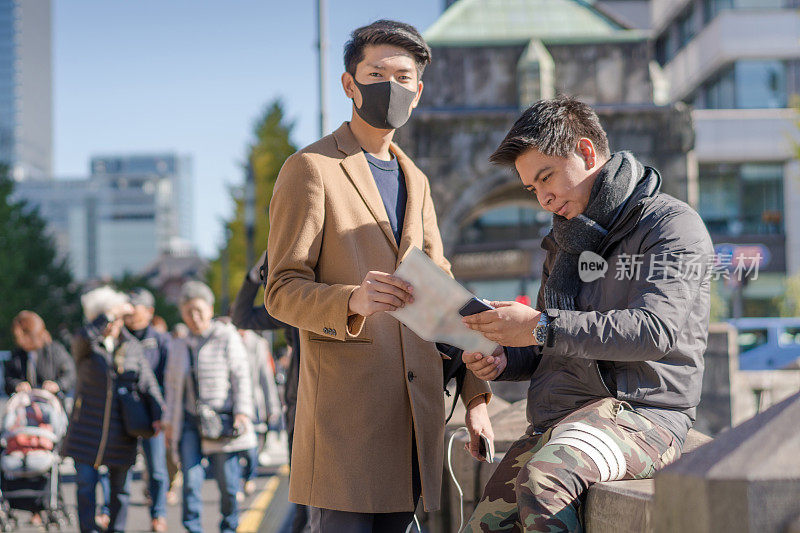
(313, 337)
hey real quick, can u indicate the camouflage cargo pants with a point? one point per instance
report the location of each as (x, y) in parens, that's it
(540, 481)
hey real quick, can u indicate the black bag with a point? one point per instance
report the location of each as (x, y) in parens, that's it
(213, 425)
(453, 368)
(134, 406)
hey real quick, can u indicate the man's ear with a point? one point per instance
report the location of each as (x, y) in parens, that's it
(586, 151)
(348, 85)
(416, 98)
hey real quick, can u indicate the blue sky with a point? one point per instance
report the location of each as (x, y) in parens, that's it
(192, 75)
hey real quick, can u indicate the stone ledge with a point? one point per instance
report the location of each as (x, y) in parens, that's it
(628, 506)
(620, 507)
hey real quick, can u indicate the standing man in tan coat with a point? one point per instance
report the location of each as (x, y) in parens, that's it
(369, 433)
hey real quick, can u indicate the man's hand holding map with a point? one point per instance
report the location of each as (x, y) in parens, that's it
(433, 315)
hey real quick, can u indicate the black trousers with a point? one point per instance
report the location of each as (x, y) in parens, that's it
(330, 521)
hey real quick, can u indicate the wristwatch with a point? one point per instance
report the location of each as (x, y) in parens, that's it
(541, 329)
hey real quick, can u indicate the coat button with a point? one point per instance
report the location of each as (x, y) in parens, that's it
(333, 332)
(410, 376)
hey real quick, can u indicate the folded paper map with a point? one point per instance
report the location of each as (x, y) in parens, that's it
(437, 298)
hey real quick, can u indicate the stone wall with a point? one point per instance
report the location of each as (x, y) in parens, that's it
(604, 73)
(731, 396)
(714, 413)
(472, 77)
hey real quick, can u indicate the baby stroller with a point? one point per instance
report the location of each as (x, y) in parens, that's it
(33, 426)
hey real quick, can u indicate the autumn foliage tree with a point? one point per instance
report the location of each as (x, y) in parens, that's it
(270, 147)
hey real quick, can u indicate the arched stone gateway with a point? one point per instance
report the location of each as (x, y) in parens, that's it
(494, 236)
(491, 60)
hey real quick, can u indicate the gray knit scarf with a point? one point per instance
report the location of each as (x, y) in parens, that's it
(614, 184)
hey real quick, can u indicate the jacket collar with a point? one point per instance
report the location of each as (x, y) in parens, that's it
(356, 167)
(647, 188)
(148, 332)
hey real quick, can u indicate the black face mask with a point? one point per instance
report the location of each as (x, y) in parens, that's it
(385, 105)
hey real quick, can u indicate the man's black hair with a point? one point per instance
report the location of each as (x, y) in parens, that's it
(553, 127)
(389, 32)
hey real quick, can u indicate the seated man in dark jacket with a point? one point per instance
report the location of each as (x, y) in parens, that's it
(37, 361)
(614, 349)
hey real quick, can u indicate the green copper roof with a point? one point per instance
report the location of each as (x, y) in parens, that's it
(481, 22)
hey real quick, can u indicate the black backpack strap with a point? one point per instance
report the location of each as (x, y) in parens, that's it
(459, 385)
(190, 350)
(453, 367)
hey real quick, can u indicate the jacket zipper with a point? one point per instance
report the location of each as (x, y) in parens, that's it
(600, 375)
(106, 420)
(638, 211)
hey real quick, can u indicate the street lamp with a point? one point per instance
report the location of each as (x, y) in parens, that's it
(322, 49)
(250, 213)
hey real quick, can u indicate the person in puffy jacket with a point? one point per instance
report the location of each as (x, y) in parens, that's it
(210, 372)
(106, 355)
(614, 349)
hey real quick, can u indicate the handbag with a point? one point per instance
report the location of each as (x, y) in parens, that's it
(136, 417)
(213, 424)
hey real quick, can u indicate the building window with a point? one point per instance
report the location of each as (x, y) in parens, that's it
(712, 8)
(760, 84)
(687, 26)
(745, 85)
(698, 15)
(506, 224)
(738, 199)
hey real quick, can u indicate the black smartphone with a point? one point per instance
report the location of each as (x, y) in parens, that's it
(486, 449)
(474, 306)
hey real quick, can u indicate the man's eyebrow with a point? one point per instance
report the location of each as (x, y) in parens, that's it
(539, 174)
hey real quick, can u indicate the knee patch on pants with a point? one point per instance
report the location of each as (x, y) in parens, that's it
(604, 452)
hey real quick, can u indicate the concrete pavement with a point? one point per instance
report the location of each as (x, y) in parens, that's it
(261, 512)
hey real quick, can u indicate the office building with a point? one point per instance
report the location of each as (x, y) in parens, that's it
(26, 102)
(737, 63)
(130, 210)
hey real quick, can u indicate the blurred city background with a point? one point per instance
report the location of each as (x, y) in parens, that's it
(141, 142)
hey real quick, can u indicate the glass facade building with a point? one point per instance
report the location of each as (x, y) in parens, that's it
(128, 212)
(737, 63)
(26, 88)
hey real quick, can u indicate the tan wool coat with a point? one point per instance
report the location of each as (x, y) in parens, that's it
(364, 383)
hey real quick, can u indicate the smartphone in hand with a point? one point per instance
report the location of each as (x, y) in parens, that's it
(474, 306)
(486, 449)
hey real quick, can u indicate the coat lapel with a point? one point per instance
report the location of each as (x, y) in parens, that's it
(357, 169)
(415, 190)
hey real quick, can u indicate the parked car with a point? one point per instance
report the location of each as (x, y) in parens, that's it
(768, 343)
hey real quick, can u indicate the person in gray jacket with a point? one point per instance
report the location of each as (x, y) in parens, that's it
(614, 349)
(208, 372)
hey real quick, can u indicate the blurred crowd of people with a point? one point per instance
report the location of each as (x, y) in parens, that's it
(195, 402)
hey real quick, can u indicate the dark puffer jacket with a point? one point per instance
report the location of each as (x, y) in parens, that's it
(639, 338)
(53, 363)
(96, 435)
